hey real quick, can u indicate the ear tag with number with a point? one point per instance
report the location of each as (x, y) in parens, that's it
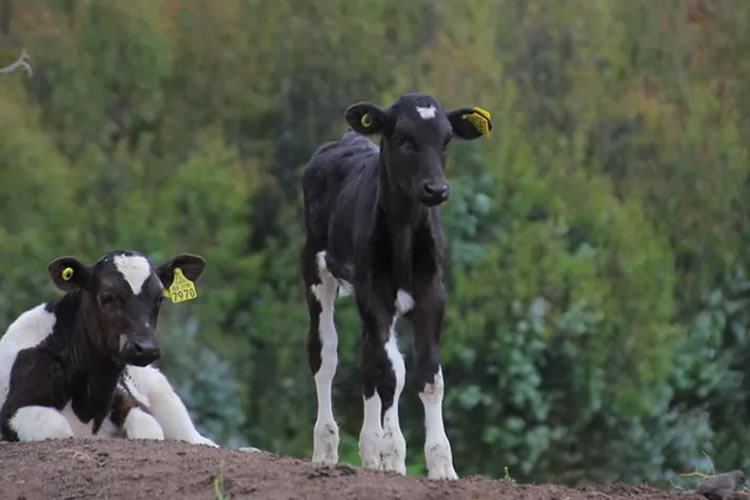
(481, 119)
(182, 289)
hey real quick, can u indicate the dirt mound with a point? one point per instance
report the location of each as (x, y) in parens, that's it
(137, 469)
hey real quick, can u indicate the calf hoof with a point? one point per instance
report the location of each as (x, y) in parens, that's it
(249, 449)
(394, 463)
(443, 472)
(439, 460)
(369, 450)
(393, 453)
(326, 444)
(200, 440)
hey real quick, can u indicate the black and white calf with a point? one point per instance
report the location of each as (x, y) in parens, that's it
(373, 228)
(78, 367)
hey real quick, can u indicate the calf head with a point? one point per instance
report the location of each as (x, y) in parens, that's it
(120, 298)
(416, 132)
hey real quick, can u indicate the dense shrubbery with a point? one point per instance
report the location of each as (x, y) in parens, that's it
(596, 242)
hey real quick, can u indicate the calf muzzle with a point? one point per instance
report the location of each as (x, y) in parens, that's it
(434, 193)
(140, 352)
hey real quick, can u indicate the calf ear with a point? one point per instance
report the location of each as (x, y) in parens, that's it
(68, 273)
(470, 123)
(192, 267)
(366, 118)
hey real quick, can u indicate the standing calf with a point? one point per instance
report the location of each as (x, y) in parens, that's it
(78, 367)
(373, 228)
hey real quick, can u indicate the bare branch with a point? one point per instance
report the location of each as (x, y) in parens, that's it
(22, 62)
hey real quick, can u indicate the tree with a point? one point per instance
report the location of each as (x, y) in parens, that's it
(22, 62)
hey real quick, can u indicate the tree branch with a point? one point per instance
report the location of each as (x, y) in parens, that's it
(22, 62)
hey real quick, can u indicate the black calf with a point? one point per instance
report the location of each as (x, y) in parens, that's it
(373, 226)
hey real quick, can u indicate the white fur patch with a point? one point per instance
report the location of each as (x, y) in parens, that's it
(371, 435)
(393, 445)
(79, 428)
(326, 431)
(404, 302)
(320, 258)
(28, 330)
(426, 113)
(36, 423)
(135, 269)
(86, 429)
(140, 425)
(151, 387)
(437, 448)
(345, 288)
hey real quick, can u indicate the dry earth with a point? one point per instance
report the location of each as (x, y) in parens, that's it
(150, 470)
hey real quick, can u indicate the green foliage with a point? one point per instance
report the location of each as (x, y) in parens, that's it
(596, 325)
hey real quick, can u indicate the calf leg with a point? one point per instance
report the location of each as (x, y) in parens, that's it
(381, 443)
(428, 319)
(36, 423)
(393, 451)
(166, 408)
(322, 352)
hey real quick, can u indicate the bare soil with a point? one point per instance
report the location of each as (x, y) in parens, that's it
(138, 469)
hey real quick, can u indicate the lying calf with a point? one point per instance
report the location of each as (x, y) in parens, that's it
(78, 367)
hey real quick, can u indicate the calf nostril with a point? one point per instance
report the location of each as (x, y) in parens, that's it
(138, 348)
(435, 189)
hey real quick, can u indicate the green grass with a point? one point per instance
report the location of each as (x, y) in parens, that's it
(218, 483)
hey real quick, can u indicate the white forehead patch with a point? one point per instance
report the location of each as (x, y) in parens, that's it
(426, 113)
(135, 269)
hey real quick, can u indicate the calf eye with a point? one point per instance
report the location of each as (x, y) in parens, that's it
(106, 299)
(407, 143)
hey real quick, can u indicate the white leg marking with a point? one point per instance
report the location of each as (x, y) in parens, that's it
(326, 432)
(393, 450)
(371, 436)
(141, 425)
(153, 390)
(404, 302)
(437, 448)
(36, 423)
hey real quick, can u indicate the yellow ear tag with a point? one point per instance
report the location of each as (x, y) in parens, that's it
(480, 118)
(67, 274)
(366, 120)
(182, 289)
